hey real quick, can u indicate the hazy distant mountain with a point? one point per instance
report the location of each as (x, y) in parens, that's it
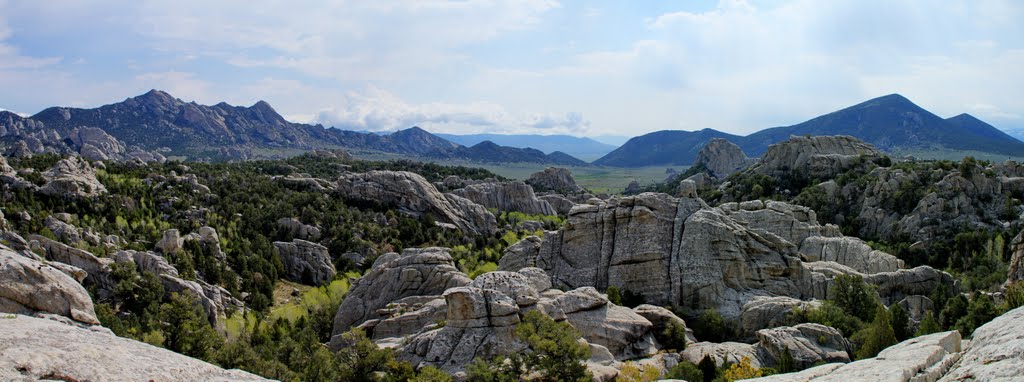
(156, 120)
(664, 147)
(488, 151)
(575, 146)
(891, 123)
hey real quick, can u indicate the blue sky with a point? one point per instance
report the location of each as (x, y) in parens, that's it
(532, 66)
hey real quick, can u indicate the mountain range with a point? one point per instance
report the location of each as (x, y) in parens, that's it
(579, 147)
(892, 123)
(157, 121)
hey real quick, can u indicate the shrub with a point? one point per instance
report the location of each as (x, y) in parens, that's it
(687, 371)
(557, 352)
(673, 337)
(742, 370)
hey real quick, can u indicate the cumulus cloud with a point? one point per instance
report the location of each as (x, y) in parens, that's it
(374, 109)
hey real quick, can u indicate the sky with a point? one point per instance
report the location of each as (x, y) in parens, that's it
(533, 66)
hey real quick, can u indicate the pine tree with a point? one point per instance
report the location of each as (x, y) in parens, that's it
(877, 336)
(900, 322)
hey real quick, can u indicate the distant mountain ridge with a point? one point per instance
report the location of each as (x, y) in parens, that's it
(580, 147)
(158, 121)
(890, 123)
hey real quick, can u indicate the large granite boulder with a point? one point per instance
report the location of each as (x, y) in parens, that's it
(808, 344)
(506, 196)
(40, 349)
(72, 177)
(721, 158)
(305, 262)
(413, 194)
(98, 268)
(480, 324)
(770, 312)
(996, 351)
(28, 286)
(296, 229)
(415, 272)
(626, 334)
(64, 232)
(555, 179)
(559, 203)
(815, 156)
(849, 251)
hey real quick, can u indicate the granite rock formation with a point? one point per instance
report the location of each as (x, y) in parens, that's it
(412, 194)
(506, 196)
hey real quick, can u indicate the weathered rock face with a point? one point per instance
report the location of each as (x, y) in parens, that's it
(412, 194)
(722, 158)
(559, 203)
(506, 196)
(96, 144)
(817, 156)
(28, 286)
(1016, 268)
(72, 177)
(995, 351)
(171, 242)
(416, 272)
(62, 230)
(297, 230)
(482, 316)
(306, 262)
(98, 268)
(682, 253)
(481, 324)
(851, 252)
(554, 179)
(40, 349)
(809, 344)
(770, 312)
(622, 331)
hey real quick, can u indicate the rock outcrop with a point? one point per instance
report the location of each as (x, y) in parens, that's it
(412, 194)
(815, 157)
(995, 352)
(40, 349)
(559, 203)
(297, 230)
(305, 262)
(770, 312)
(1015, 273)
(721, 158)
(415, 272)
(924, 358)
(808, 344)
(506, 196)
(28, 286)
(72, 177)
(683, 253)
(556, 179)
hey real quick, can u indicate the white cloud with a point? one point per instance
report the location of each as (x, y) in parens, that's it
(377, 110)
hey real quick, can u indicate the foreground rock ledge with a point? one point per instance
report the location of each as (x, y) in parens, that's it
(40, 349)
